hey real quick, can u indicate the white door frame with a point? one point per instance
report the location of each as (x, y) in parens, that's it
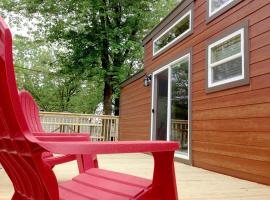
(153, 100)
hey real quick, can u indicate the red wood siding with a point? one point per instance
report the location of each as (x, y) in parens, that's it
(230, 128)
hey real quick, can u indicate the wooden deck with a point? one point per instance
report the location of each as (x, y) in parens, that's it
(193, 183)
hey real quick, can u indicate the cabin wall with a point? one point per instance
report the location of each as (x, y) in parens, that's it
(134, 122)
(230, 128)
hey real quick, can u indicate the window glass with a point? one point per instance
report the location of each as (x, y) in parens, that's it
(179, 104)
(218, 4)
(226, 49)
(225, 62)
(227, 70)
(176, 31)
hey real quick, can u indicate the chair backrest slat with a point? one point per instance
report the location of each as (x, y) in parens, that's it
(21, 159)
(31, 111)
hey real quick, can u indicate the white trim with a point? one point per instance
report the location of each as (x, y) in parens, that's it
(225, 60)
(169, 106)
(238, 55)
(152, 107)
(169, 67)
(188, 30)
(210, 14)
(240, 31)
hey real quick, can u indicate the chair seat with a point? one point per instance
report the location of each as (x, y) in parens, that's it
(102, 184)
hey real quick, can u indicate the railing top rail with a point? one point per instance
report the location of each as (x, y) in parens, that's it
(70, 115)
(179, 120)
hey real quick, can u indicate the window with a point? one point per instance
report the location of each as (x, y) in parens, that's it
(226, 60)
(178, 30)
(216, 7)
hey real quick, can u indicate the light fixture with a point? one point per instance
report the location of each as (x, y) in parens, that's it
(147, 80)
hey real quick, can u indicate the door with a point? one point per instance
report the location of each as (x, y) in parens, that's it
(170, 105)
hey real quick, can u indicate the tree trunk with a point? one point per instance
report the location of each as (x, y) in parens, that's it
(116, 106)
(107, 98)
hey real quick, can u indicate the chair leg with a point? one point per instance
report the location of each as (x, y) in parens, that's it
(86, 162)
(164, 175)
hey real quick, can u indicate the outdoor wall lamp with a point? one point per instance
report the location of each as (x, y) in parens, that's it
(147, 80)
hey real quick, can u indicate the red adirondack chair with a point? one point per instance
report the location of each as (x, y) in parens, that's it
(21, 154)
(31, 113)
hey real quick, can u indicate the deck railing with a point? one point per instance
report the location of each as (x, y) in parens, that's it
(100, 127)
(180, 132)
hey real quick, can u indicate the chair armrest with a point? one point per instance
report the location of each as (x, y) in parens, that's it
(108, 147)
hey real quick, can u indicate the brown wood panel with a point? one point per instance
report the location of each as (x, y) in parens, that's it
(231, 127)
(137, 94)
(256, 69)
(135, 127)
(258, 168)
(133, 137)
(257, 139)
(136, 122)
(134, 111)
(257, 82)
(248, 8)
(238, 151)
(245, 125)
(238, 99)
(260, 41)
(260, 68)
(136, 117)
(232, 172)
(259, 54)
(135, 102)
(201, 94)
(199, 3)
(238, 112)
(260, 27)
(135, 85)
(214, 28)
(199, 16)
(260, 82)
(145, 104)
(198, 67)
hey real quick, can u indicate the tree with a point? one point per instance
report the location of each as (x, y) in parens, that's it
(38, 72)
(97, 38)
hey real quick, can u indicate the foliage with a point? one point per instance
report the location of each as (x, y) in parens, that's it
(53, 90)
(96, 40)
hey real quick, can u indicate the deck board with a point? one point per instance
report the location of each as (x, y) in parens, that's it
(193, 183)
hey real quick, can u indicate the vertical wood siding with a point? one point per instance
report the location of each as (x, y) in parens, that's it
(230, 128)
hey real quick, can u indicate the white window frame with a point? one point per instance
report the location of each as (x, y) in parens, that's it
(169, 67)
(180, 36)
(240, 32)
(210, 14)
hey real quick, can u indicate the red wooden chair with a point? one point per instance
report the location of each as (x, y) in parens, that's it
(31, 113)
(21, 155)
